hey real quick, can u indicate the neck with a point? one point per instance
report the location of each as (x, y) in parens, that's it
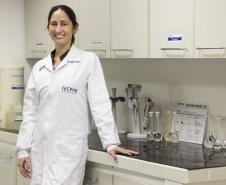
(61, 50)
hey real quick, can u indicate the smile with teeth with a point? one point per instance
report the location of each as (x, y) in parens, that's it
(59, 36)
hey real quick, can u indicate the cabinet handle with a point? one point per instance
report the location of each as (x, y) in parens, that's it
(3, 162)
(90, 181)
(174, 49)
(211, 48)
(122, 52)
(99, 52)
(175, 52)
(38, 53)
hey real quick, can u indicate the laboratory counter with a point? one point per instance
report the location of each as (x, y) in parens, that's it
(164, 164)
(183, 155)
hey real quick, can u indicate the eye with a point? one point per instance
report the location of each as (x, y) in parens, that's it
(54, 24)
(63, 23)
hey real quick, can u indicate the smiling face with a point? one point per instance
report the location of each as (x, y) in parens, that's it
(61, 29)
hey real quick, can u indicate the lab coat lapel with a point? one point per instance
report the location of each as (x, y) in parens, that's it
(72, 56)
(48, 63)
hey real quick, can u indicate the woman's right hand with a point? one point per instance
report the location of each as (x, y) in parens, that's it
(24, 165)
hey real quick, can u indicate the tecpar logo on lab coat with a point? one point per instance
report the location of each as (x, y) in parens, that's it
(69, 90)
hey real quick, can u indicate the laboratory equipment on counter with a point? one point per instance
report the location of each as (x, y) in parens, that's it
(210, 137)
(218, 143)
(150, 127)
(134, 110)
(157, 134)
(148, 106)
(171, 132)
(11, 93)
(114, 99)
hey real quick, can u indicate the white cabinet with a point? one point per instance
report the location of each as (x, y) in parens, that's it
(7, 164)
(37, 38)
(94, 26)
(38, 42)
(210, 28)
(129, 28)
(22, 181)
(171, 28)
(98, 175)
(114, 28)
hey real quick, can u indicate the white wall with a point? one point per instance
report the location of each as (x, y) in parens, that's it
(201, 81)
(12, 33)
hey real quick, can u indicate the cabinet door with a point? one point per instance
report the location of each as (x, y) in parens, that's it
(97, 176)
(210, 34)
(37, 37)
(94, 26)
(7, 164)
(129, 28)
(171, 28)
(22, 181)
(125, 179)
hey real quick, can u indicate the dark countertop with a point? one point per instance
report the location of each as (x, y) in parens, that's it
(183, 155)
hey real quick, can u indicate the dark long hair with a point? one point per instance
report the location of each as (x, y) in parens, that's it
(70, 13)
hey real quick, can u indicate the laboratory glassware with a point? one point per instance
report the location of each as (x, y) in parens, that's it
(148, 105)
(150, 127)
(218, 142)
(210, 138)
(171, 134)
(157, 135)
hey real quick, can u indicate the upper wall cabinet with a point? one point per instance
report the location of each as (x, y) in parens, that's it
(38, 42)
(37, 38)
(114, 28)
(210, 34)
(94, 26)
(171, 28)
(129, 28)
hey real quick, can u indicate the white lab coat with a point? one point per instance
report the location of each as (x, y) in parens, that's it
(56, 117)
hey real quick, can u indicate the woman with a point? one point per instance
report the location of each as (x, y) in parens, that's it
(62, 90)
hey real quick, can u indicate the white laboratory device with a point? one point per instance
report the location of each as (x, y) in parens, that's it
(11, 96)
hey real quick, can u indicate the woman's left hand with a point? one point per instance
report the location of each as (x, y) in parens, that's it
(120, 150)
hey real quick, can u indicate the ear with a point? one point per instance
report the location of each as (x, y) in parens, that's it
(75, 29)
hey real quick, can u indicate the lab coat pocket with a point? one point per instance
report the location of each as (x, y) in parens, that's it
(69, 140)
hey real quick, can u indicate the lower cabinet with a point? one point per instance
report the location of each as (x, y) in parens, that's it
(7, 164)
(97, 174)
(21, 180)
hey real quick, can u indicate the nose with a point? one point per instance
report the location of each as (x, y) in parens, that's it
(58, 28)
